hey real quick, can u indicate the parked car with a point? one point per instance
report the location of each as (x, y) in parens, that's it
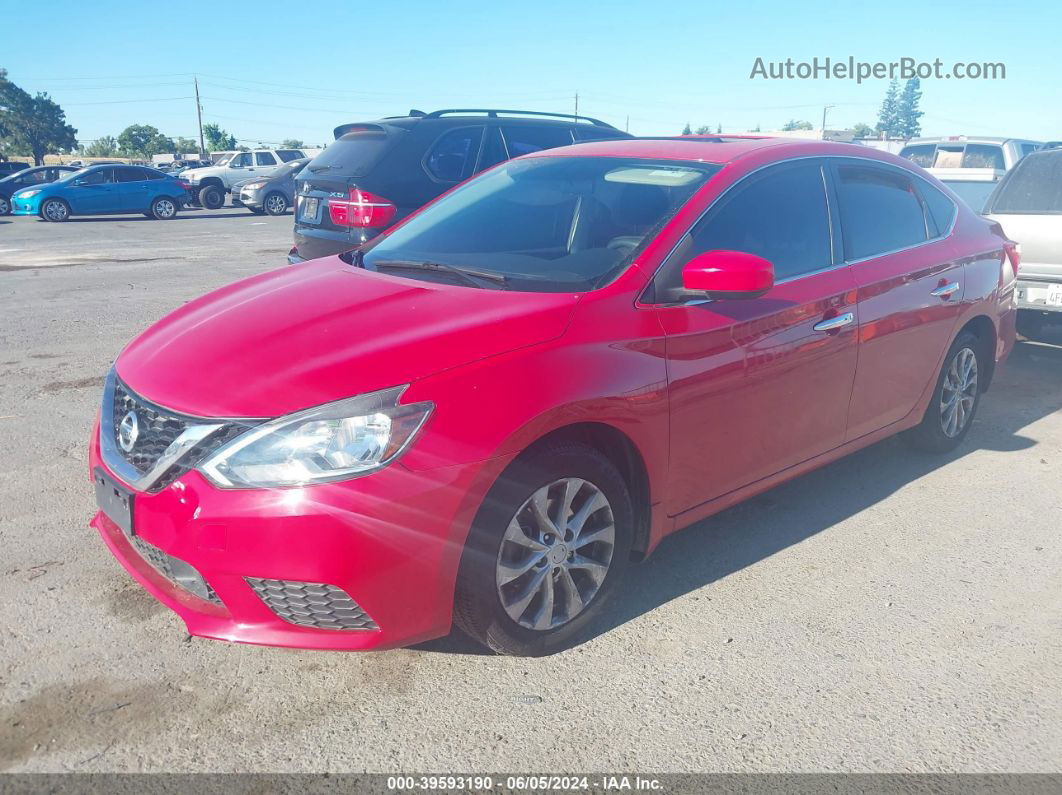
(485, 412)
(29, 176)
(211, 183)
(9, 167)
(968, 152)
(376, 173)
(1028, 205)
(104, 190)
(272, 195)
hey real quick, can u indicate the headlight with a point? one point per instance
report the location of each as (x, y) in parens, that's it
(253, 186)
(332, 442)
(27, 194)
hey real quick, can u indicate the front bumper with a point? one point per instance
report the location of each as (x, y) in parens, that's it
(392, 541)
(1039, 296)
(249, 198)
(30, 206)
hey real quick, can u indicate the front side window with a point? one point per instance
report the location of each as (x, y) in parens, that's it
(264, 159)
(100, 176)
(880, 211)
(522, 140)
(549, 224)
(242, 160)
(453, 156)
(1034, 186)
(781, 215)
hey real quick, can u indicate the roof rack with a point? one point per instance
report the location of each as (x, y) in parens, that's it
(693, 139)
(494, 112)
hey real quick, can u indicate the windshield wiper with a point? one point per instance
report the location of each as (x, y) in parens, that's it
(467, 275)
(319, 169)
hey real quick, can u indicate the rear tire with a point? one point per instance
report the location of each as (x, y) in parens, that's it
(955, 398)
(275, 203)
(211, 197)
(164, 208)
(5, 206)
(55, 210)
(570, 562)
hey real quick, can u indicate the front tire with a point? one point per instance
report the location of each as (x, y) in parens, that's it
(275, 204)
(5, 206)
(164, 208)
(211, 197)
(547, 548)
(955, 399)
(55, 210)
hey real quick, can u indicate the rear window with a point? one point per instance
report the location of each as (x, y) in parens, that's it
(920, 154)
(983, 156)
(1034, 186)
(354, 154)
(287, 155)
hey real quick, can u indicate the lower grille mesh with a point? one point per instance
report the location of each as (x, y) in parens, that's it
(175, 570)
(310, 604)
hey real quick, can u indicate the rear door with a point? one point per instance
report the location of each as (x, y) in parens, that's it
(759, 385)
(910, 286)
(134, 188)
(265, 163)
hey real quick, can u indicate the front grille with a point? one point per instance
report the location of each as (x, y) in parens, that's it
(310, 604)
(182, 574)
(158, 428)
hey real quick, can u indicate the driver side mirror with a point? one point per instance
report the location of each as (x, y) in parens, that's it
(728, 274)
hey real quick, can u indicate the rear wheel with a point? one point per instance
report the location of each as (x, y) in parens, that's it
(958, 393)
(5, 206)
(211, 197)
(548, 547)
(55, 210)
(163, 208)
(275, 204)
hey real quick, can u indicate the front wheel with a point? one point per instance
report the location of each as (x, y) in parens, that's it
(275, 204)
(211, 197)
(55, 210)
(163, 208)
(5, 206)
(549, 545)
(958, 393)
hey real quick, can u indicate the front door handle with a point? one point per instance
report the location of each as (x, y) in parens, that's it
(946, 291)
(834, 323)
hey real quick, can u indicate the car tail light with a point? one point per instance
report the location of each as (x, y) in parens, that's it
(361, 209)
(185, 185)
(1013, 253)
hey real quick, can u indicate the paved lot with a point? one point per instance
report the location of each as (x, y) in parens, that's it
(890, 612)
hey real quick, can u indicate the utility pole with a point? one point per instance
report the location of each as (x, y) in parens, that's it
(199, 114)
(824, 109)
(627, 125)
(576, 103)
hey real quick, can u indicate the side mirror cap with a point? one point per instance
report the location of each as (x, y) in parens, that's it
(728, 274)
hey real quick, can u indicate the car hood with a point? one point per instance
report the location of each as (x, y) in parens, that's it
(313, 333)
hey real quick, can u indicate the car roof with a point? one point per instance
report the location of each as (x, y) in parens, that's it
(714, 149)
(967, 139)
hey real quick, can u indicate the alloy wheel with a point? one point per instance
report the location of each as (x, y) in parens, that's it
(5, 206)
(55, 211)
(164, 208)
(555, 554)
(958, 393)
(275, 204)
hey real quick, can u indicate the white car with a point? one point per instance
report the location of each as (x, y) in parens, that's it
(210, 184)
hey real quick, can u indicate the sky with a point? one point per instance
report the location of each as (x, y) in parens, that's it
(270, 71)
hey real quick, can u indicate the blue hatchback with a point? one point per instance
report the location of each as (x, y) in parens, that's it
(104, 190)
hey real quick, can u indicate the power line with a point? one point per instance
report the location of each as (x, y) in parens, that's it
(126, 101)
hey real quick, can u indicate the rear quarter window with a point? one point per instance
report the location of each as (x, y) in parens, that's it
(1033, 187)
(524, 139)
(941, 209)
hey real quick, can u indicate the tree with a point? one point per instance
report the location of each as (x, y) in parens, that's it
(907, 112)
(888, 119)
(292, 143)
(719, 128)
(104, 146)
(704, 129)
(186, 146)
(687, 130)
(143, 141)
(32, 125)
(861, 130)
(218, 139)
(793, 124)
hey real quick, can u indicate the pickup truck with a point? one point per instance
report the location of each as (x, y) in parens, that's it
(210, 184)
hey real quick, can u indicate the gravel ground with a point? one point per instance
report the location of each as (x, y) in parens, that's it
(890, 612)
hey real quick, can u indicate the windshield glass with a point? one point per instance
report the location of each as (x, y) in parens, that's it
(973, 193)
(223, 160)
(1034, 186)
(549, 224)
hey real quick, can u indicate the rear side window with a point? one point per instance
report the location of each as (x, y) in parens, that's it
(983, 156)
(920, 154)
(130, 174)
(880, 211)
(453, 156)
(150, 173)
(942, 210)
(595, 133)
(781, 216)
(1034, 186)
(287, 155)
(354, 154)
(523, 140)
(264, 159)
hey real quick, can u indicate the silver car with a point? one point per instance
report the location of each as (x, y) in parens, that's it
(1028, 205)
(272, 194)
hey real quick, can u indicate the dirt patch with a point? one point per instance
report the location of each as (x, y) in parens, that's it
(80, 383)
(132, 603)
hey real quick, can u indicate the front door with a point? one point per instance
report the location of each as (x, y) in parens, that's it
(95, 192)
(759, 385)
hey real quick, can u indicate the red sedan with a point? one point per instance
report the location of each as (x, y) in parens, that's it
(485, 413)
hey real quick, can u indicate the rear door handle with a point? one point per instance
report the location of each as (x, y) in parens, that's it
(946, 291)
(834, 323)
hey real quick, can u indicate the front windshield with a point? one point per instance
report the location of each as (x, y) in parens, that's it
(223, 160)
(547, 224)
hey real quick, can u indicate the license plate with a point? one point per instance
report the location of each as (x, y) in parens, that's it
(310, 205)
(1054, 295)
(115, 501)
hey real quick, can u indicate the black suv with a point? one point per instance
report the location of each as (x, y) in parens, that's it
(376, 173)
